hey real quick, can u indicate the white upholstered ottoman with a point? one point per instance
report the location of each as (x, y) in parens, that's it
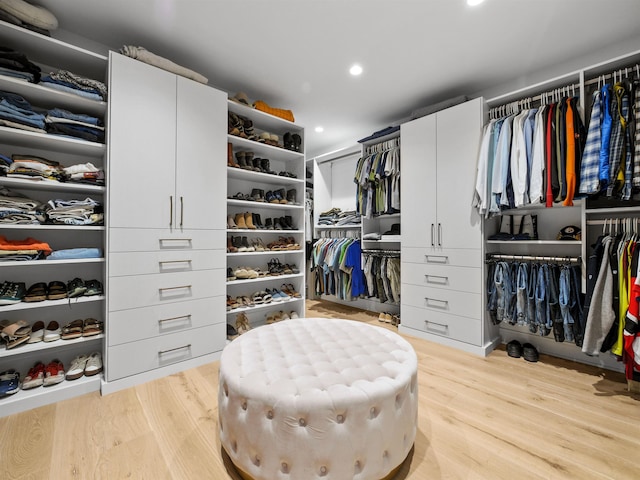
(318, 398)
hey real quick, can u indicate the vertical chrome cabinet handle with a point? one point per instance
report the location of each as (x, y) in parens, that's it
(181, 210)
(439, 234)
(170, 211)
(432, 241)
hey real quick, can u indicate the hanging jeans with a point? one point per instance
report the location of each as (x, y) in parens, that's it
(522, 279)
(510, 294)
(564, 300)
(501, 278)
(575, 306)
(531, 299)
(543, 316)
(554, 322)
(492, 297)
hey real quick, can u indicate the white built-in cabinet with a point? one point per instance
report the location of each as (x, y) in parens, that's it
(442, 243)
(52, 55)
(166, 231)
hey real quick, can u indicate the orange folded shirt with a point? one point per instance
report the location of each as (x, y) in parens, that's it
(278, 112)
(26, 244)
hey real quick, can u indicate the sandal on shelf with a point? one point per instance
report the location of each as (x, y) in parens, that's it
(94, 287)
(242, 323)
(76, 288)
(56, 290)
(72, 330)
(91, 327)
(37, 332)
(36, 293)
(15, 333)
(52, 332)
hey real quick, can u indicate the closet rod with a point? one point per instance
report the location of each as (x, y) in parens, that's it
(534, 258)
(535, 98)
(631, 69)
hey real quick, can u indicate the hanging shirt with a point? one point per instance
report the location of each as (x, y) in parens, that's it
(536, 181)
(570, 160)
(605, 134)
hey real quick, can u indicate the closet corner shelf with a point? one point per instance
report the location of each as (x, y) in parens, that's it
(39, 263)
(266, 252)
(262, 230)
(269, 151)
(262, 120)
(25, 183)
(69, 302)
(535, 242)
(36, 347)
(263, 306)
(386, 239)
(250, 204)
(242, 174)
(45, 141)
(44, 97)
(338, 227)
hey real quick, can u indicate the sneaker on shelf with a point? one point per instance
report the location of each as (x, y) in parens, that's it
(94, 364)
(12, 292)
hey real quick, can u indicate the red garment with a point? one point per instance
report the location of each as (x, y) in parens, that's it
(26, 244)
(631, 328)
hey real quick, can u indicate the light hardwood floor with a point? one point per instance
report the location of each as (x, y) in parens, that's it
(479, 418)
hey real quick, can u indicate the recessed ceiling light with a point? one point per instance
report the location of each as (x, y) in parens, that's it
(319, 129)
(473, 3)
(355, 70)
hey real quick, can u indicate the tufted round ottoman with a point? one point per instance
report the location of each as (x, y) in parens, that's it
(318, 398)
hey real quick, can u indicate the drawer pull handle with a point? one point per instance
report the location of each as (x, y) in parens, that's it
(162, 262)
(188, 240)
(162, 352)
(436, 259)
(437, 327)
(440, 280)
(438, 303)
(186, 317)
(173, 288)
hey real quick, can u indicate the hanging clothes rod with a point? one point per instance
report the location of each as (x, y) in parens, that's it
(534, 258)
(387, 253)
(628, 71)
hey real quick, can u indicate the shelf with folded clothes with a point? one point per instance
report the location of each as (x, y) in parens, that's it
(39, 183)
(45, 141)
(535, 242)
(46, 50)
(40, 263)
(261, 177)
(50, 98)
(51, 303)
(40, 346)
(46, 226)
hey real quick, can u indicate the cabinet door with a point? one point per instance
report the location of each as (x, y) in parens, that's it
(459, 129)
(201, 173)
(142, 119)
(418, 193)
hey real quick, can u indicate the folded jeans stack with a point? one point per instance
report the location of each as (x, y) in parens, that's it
(16, 112)
(76, 125)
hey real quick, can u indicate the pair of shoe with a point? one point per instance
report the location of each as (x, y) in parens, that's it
(243, 221)
(278, 295)
(243, 244)
(88, 327)
(516, 350)
(269, 139)
(87, 365)
(242, 323)
(240, 126)
(283, 243)
(517, 227)
(38, 375)
(39, 333)
(277, 317)
(281, 196)
(292, 141)
(9, 382)
(14, 333)
(288, 289)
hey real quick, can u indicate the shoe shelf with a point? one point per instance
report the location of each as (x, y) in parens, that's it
(40, 346)
(39, 396)
(40, 263)
(264, 306)
(50, 303)
(50, 98)
(50, 185)
(338, 227)
(264, 278)
(266, 252)
(262, 230)
(54, 143)
(265, 205)
(265, 150)
(261, 177)
(534, 242)
(263, 120)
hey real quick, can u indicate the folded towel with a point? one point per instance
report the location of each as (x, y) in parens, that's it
(144, 55)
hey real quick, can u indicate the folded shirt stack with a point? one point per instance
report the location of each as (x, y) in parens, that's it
(69, 82)
(74, 212)
(86, 173)
(18, 209)
(33, 167)
(76, 125)
(20, 250)
(16, 112)
(15, 64)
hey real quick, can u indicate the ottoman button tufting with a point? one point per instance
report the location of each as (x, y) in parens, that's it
(340, 418)
(323, 471)
(270, 414)
(285, 467)
(302, 422)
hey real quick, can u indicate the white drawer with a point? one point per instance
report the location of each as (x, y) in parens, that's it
(463, 329)
(462, 257)
(143, 356)
(148, 322)
(140, 263)
(441, 300)
(144, 290)
(150, 240)
(464, 279)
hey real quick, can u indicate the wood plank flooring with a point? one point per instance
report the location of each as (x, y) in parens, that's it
(479, 418)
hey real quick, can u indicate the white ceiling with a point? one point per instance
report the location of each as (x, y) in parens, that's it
(295, 54)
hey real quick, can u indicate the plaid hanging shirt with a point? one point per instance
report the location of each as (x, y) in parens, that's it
(616, 147)
(589, 182)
